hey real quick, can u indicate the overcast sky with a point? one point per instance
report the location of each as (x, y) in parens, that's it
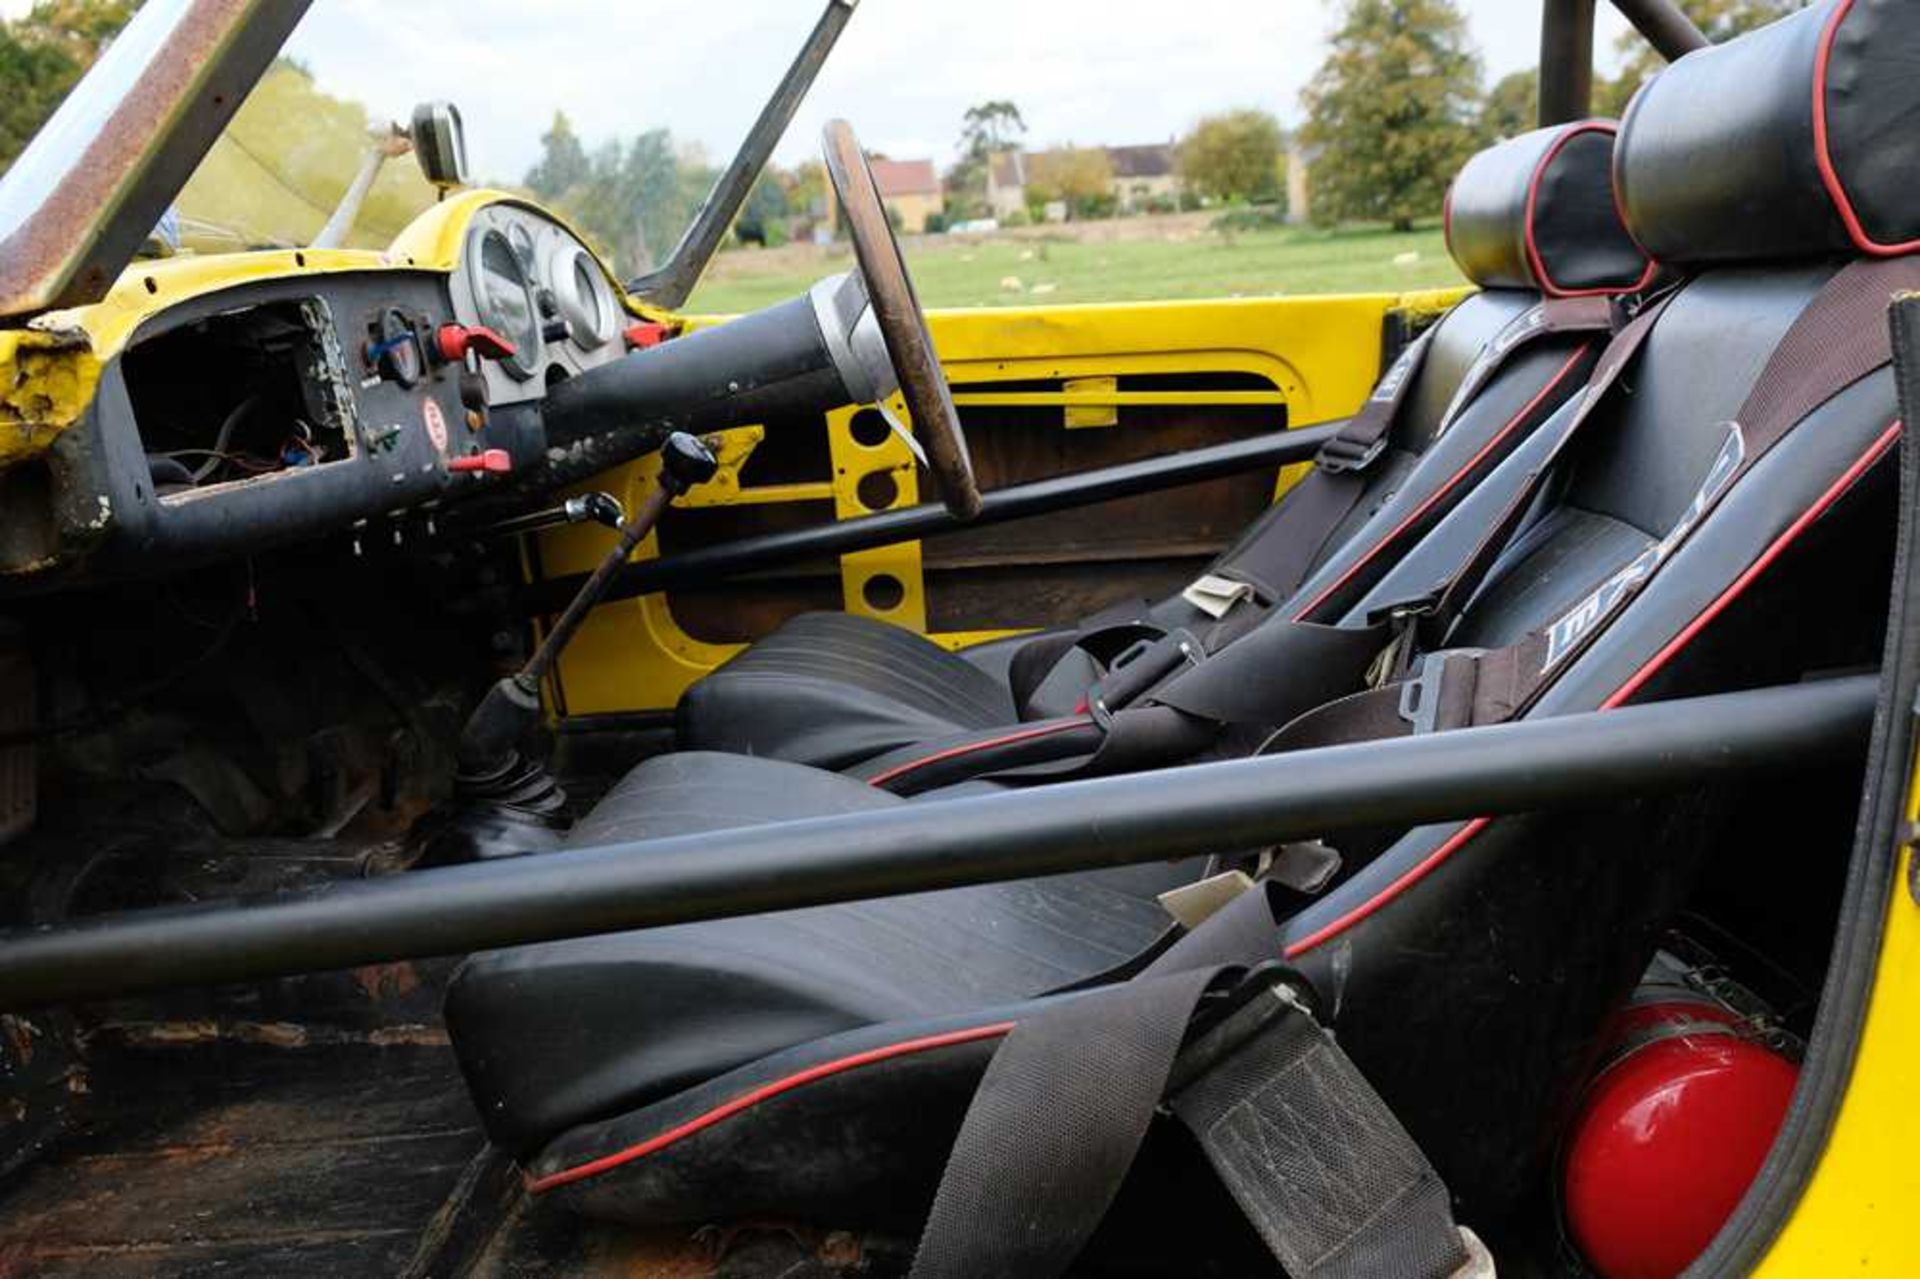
(1081, 71)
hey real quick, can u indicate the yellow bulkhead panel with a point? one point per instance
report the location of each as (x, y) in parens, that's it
(1857, 1215)
(1322, 355)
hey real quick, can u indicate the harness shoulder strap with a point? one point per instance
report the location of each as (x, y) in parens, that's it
(1281, 551)
(1840, 337)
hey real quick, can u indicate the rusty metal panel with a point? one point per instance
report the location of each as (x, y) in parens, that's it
(89, 188)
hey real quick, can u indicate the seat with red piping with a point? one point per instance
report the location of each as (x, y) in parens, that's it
(815, 1064)
(1532, 216)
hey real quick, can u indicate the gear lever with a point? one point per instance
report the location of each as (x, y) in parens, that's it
(505, 804)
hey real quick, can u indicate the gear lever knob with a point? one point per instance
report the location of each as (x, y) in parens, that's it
(684, 462)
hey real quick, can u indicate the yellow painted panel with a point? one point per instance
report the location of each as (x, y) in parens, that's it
(1321, 354)
(1858, 1215)
(884, 583)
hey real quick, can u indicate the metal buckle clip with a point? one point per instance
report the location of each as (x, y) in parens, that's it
(1142, 666)
(1420, 694)
(1335, 463)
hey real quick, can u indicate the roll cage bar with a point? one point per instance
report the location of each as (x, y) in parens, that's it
(1566, 48)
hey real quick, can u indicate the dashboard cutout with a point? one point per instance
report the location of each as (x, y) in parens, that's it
(241, 396)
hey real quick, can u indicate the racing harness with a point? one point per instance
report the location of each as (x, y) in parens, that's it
(1309, 1152)
(1323, 684)
(1270, 564)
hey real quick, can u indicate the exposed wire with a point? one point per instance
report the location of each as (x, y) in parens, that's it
(223, 438)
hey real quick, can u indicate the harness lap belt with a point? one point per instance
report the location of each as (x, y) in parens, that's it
(1838, 339)
(1310, 1153)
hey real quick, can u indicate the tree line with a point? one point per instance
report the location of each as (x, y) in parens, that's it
(1396, 106)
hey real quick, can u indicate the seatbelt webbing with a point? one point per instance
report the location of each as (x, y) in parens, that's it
(1317, 1162)
(1277, 557)
(1313, 1156)
(1053, 1128)
(1281, 669)
(1555, 315)
(1458, 587)
(1840, 337)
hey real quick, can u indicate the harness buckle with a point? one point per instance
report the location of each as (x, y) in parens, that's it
(1337, 455)
(1421, 695)
(1140, 667)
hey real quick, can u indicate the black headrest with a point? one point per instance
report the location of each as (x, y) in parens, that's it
(1537, 212)
(1801, 139)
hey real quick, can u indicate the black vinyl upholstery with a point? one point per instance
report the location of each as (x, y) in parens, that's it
(1572, 243)
(556, 1035)
(1725, 163)
(832, 689)
(835, 690)
(1466, 966)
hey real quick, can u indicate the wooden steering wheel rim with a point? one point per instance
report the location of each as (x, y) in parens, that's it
(903, 325)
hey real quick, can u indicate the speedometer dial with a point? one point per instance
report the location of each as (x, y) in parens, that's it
(504, 296)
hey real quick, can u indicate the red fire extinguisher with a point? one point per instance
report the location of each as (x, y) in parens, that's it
(1672, 1128)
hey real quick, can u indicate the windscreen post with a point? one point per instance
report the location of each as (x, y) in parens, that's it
(672, 283)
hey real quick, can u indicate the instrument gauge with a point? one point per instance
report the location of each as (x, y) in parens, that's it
(521, 239)
(503, 294)
(585, 298)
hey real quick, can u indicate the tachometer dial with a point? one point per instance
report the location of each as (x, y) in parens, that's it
(504, 295)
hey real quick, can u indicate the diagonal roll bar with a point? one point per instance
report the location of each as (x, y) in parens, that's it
(1178, 812)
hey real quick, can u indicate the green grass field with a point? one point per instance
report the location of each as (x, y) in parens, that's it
(1131, 260)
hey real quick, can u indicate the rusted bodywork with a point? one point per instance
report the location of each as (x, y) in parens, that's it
(94, 181)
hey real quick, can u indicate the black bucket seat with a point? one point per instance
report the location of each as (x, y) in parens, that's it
(1529, 220)
(816, 1064)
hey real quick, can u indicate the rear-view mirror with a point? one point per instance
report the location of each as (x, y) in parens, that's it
(440, 143)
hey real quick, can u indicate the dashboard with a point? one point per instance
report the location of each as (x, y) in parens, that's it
(316, 401)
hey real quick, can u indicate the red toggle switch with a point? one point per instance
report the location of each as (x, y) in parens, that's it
(645, 334)
(491, 462)
(451, 342)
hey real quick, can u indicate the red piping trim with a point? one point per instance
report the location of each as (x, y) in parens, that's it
(1534, 260)
(1866, 460)
(660, 1141)
(1452, 481)
(968, 748)
(1634, 682)
(1829, 175)
(1426, 865)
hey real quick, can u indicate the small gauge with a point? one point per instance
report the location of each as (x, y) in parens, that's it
(521, 241)
(393, 348)
(584, 298)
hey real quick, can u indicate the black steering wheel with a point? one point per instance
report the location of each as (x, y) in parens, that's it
(903, 326)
